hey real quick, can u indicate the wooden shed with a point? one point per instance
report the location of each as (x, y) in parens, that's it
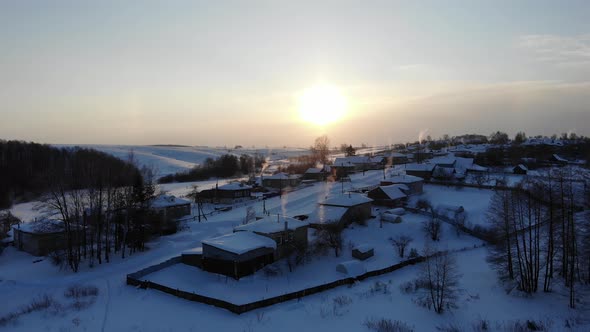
(363, 252)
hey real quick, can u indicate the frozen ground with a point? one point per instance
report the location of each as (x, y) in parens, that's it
(119, 307)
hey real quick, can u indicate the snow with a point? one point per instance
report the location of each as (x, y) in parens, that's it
(419, 167)
(163, 201)
(351, 268)
(193, 251)
(405, 179)
(396, 211)
(120, 307)
(363, 248)
(272, 224)
(325, 214)
(475, 201)
(241, 242)
(346, 200)
(234, 186)
(394, 191)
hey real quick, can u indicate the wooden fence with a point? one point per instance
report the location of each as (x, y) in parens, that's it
(134, 279)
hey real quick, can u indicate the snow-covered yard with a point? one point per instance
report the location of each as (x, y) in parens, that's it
(318, 270)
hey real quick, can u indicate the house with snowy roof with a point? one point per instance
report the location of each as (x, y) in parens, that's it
(42, 236)
(237, 254)
(396, 158)
(520, 169)
(167, 210)
(395, 195)
(420, 170)
(229, 193)
(339, 211)
(415, 184)
(316, 174)
(281, 181)
(359, 163)
(289, 234)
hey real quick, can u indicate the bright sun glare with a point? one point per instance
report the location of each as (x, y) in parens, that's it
(322, 104)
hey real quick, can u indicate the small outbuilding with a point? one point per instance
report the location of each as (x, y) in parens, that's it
(520, 169)
(351, 268)
(237, 254)
(363, 252)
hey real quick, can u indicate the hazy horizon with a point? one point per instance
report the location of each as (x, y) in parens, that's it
(233, 73)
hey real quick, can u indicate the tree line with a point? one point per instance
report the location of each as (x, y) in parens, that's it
(227, 165)
(28, 170)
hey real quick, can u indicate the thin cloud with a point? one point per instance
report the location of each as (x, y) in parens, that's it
(566, 51)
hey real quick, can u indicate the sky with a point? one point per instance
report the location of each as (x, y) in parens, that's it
(232, 72)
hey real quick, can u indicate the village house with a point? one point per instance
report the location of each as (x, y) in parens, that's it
(230, 193)
(339, 211)
(281, 181)
(237, 254)
(520, 169)
(414, 183)
(316, 174)
(40, 237)
(396, 158)
(420, 170)
(360, 163)
(391, 196)
(169, 209)
(443, 173)
(289, 234)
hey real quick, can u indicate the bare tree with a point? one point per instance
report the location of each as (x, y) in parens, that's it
(400, 242)
(321, 149)
(433, 228)
(330, 238)
(439, 277)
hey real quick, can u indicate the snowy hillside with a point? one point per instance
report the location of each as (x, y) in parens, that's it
(170, 159)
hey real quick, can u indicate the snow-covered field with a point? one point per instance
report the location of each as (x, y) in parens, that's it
(119, 307)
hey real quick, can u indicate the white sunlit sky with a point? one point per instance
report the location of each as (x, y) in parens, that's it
(284, 72)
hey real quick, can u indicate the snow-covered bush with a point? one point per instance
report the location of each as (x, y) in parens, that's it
(387, 325)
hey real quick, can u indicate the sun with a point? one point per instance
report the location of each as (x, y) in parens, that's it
(322, 105)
